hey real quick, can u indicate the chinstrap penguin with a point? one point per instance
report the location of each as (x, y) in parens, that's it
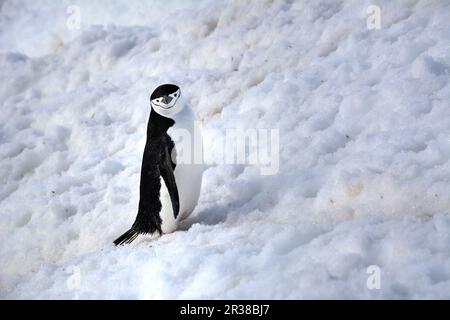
(169, 188)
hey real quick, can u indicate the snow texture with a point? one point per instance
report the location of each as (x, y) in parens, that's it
(364, 127)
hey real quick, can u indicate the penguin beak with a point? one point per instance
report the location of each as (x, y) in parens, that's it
(166, 99)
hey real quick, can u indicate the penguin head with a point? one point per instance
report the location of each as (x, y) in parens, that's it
(164, 100)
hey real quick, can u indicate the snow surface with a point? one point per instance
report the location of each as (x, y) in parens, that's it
(364, 126)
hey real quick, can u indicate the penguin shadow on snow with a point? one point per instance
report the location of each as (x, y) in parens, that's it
(215, 212)
(209, 217)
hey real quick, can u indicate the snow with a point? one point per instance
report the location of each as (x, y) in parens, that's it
(364, 148)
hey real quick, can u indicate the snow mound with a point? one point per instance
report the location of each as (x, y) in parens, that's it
(363, 121)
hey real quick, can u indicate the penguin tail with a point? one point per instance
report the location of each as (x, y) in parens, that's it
(127, 238)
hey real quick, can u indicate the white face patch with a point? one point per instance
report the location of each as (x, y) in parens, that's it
(167, 106)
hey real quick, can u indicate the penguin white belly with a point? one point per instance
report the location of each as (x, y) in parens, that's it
(188, 179)
(188, 174)
(169, 223)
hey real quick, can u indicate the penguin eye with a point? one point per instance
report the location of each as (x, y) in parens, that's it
(176, 94)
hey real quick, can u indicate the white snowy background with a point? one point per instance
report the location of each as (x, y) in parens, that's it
(364, 125)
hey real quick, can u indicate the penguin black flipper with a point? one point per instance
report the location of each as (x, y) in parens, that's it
(166, 167)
